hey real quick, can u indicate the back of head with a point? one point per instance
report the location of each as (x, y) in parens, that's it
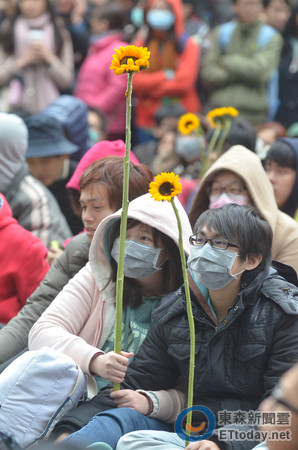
(243, 225)
(13, 146)
(240, 133)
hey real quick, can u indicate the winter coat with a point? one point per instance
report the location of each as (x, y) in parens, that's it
(35, 208)
(151, 89)
(238, 72)
(81, 317)
(58, 75)
(23, 263)
(238, 362)
(248, 166)
(14, 336)
(99, 87)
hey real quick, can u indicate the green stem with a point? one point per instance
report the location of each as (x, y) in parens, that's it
(222, 138)
(190, 321)
(123, 225)
(205, 161)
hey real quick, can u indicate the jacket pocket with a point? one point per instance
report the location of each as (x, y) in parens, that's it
(249, 366)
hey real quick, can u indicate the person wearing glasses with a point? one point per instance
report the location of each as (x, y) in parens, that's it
(246, 325)
(239, 177)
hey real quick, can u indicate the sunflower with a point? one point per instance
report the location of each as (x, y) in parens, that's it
(220, 116)
(188, 123)
(165, 187)
(130, 59)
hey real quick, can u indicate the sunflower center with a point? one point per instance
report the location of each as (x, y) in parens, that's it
(166, 188)
(124, 60)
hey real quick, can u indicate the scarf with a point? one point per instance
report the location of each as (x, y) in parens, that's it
(42, 90)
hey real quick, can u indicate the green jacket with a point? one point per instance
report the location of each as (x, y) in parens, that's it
(238, 72)
(14, 336)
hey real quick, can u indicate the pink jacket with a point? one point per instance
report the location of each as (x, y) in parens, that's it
(99, 87)
(81, 317)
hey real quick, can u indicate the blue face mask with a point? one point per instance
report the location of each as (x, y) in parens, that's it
(139, 260)
(212, 267)
(137, 16)
(160, 19)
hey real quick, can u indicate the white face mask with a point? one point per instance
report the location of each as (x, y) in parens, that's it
(139, 259)
(223, 199)
(212, 267)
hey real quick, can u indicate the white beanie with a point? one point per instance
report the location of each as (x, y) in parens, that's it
(13, 147)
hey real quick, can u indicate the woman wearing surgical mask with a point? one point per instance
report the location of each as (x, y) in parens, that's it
(174, 65)
(239, 177)
(80, 322)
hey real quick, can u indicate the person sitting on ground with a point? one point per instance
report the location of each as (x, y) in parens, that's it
(281, 165)
(238, 177)
(31, 202)
(246, 328)
(80, 322)
(48, 158)
(100, 185)
(23, 263)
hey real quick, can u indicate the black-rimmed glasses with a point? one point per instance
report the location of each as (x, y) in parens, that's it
(199, 241)
(276, 395)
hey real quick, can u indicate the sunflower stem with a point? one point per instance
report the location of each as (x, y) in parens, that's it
(207, 155)
(123, 225)
(190, 322)
(223, 137)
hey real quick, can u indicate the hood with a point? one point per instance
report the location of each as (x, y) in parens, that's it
(248, 166)
(13, 147)
(159, 215)
(177, 8)
(5, 213)
(291, 204)
(98, 151)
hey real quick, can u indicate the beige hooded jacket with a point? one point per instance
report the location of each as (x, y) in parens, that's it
(247, 165)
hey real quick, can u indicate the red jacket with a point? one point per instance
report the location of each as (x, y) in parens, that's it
(23, 263)
(150, 88)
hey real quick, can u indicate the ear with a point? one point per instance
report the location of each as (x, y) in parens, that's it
(253, 260)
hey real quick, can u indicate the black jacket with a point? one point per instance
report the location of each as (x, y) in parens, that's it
(237, 363)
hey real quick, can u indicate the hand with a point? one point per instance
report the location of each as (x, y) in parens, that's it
(53, 255)
(126, 398)
(202, 445)
(111, 366)
(79, 11)
(41, 52)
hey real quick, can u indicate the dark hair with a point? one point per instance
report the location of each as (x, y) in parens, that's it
(242, 225)
(282, 154)
(172, 277)
(266, 3)
(290, 29)
(169, 110)
(240, 133)
(101, 115)
(109, 171)
(7, 29)
(112, 13)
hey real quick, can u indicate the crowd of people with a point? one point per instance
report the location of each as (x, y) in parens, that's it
(62, 143)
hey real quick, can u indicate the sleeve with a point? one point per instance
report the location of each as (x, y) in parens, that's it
(283, 354)
(61, 69)
(14, 336)
(60, 325)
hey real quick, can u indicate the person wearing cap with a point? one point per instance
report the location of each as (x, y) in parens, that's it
(48, 158)
(32, 204)
(19, 276)
(105, 174)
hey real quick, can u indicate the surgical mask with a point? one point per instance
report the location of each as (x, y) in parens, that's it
(137, 16)
(223, 199)
(187, 147)
(94, 135)
(160, 19)
(139, 259)
(212, 267)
